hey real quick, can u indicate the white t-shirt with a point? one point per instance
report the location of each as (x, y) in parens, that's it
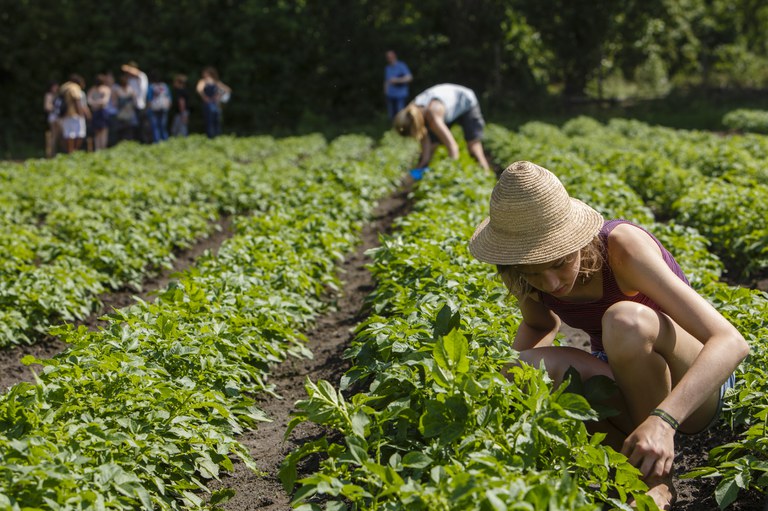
(456, 99)
(140, 86)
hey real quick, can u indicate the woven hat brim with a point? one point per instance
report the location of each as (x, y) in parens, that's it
(582, 225)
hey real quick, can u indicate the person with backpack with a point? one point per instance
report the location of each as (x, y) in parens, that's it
(159, 100)
(124, 103)
(214, 93)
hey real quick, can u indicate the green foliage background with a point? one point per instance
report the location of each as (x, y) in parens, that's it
(297, 64)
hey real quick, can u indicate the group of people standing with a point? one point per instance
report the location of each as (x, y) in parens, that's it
(136, 106)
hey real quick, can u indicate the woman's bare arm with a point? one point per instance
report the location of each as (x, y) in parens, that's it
(538, 328)
(639, 267)
(435, 117)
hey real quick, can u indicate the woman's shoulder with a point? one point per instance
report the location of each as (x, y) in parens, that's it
(627, 241)
(626, 232)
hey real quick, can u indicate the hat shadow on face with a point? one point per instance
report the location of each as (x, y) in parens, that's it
(532, 219)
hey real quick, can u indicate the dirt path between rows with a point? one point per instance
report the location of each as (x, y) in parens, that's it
(327, 341)
(13, 371)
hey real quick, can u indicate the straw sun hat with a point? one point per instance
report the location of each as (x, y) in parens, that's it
(532, 219)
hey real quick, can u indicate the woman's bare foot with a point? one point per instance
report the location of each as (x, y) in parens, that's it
(662, 491)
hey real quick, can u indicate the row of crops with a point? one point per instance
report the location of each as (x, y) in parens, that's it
(715, 184)
(76, 227)
(144, 412)
(426, 419)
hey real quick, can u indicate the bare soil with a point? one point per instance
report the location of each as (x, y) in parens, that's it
(13, 371)
(327, 341)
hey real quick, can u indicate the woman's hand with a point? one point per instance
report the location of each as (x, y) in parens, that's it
(651, 447)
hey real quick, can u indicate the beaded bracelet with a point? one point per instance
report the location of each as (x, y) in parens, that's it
(658, 412)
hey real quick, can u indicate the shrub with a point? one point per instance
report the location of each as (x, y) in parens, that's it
(752, 121)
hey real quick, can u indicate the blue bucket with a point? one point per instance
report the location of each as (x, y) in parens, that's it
(418, 173)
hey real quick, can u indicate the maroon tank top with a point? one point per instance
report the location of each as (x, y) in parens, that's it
(588, 316)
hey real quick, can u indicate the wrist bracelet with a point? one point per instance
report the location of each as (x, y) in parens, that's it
(658, 412)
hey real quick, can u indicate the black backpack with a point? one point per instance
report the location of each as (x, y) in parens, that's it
(59, 106)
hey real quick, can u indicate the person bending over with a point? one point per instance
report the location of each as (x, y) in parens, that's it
(671, 354)
(429, 117)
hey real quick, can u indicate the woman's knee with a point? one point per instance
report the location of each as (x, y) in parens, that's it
(629, 329)
(558, 360)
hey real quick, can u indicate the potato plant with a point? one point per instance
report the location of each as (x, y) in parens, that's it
(142, 413)
(714, 184)
(75, 227)
(430, 417)
(753, 121)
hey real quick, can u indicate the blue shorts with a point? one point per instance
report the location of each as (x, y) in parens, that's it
(729, 384)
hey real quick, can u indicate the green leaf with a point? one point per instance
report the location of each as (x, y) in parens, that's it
(576, 407)
(450, 352)
(30, 359)
(357, 449)
(416, 459)
(644, 502)
(444, 419)
(726, 492)
(221, 496)
(359, 422)
(446, 321)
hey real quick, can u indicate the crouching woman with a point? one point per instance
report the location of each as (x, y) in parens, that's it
(671, 354)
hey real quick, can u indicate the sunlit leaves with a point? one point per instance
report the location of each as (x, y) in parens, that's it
(434, 373)
(144, 412)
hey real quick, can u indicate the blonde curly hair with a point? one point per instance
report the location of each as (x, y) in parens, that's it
(592, 260)
(410, 122)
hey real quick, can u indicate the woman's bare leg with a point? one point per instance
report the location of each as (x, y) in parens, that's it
(649, 354)
(475, 148)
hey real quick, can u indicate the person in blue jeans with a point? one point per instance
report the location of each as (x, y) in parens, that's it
(213, 92)
(397, 76)
(159, 100)
(180, 107)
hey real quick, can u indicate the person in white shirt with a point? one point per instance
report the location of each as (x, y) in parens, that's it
(139, 82)
(429, 116)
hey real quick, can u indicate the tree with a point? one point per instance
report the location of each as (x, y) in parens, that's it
(575, 31)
